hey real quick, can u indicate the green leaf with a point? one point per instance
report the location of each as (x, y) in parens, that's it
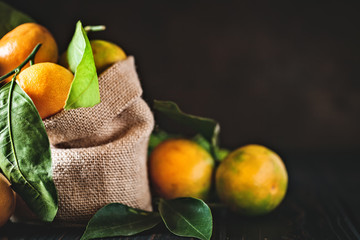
(221, 153)
(207, 127)
(187, 217)
(84, 91)
(116, 219)
(218, 153)
(10, 18)
(204, 143)
(25, 156)
(158, 136)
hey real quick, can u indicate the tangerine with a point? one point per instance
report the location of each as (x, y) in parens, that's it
(17, 44)
(7, 200)
(48, 85)
(251, 180)
(181, 168)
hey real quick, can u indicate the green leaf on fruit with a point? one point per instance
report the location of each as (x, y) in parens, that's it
(25, 156)
(187, 217)
(207, 127)
(116, 219)
(221, 153)
(203, 142)
(84, 91)
(10, 18)
(158, 136)
(218, 153)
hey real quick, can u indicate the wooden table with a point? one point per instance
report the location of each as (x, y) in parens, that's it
(323, 202)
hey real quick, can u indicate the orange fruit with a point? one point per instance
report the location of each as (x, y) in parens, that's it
(17, 44)
(22, 212)
(180, 168)
(7, 200)
(48, 85)
(105, 54)
(251, 180)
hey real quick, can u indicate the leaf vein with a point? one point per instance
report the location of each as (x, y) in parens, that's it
(177, 213)
(11, 137)
(82, 92)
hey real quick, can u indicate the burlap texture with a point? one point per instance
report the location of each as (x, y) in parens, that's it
(99, 153)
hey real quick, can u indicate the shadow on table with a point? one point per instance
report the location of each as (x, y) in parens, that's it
(321, 203)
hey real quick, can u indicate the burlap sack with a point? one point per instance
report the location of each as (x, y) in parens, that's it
(99, 153)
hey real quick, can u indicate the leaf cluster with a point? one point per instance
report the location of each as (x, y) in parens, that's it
(186, 217)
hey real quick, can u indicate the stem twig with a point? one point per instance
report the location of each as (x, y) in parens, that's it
(30, 58)
(94, 28)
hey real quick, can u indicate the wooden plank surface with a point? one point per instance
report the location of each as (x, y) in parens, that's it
(321, 203)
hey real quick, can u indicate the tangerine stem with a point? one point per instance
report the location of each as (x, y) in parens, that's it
(94, 28)
(30, 58)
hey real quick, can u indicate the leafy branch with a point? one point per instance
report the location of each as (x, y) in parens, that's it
(25, 157)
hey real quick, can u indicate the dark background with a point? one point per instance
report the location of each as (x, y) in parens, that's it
(282, 74)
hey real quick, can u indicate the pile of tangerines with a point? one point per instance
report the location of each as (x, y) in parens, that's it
(251, 180)
(47, 82)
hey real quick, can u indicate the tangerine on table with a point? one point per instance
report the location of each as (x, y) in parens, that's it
(252, 180)
(181, 168)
